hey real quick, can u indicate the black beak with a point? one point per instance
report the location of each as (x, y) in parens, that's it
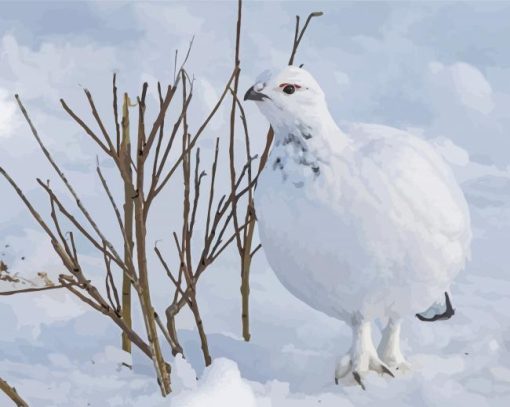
(252, 94)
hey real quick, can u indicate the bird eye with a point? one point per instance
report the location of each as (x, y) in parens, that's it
(289, 89)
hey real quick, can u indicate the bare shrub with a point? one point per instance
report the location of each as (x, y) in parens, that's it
(146, 156)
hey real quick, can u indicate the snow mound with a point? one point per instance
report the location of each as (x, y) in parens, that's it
(220, 385)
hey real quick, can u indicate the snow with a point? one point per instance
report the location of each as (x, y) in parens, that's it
(58, 353)
(220, 385)
(290, 362)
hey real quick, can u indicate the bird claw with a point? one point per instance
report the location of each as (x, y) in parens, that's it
(395, 361)
(387, 371)
(346, 366)
(357, 377)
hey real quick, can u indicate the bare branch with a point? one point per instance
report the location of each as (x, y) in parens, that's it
(81, 123)
(267, 149)
(73, 246)
(110, 285)
(159, 120)
(168, 272)
(214, 254)
(255, 250)
(295, 45)
(32, 289)
(117, 213)
(188, 52)
(143, 147)
(196, 192)
(27, 203)
(57, 227)
(211, 189)
(101, 125)
(298, 38)
(161, 134)
(170, 313)
(12, 394)
(116, 113)
(176, 348)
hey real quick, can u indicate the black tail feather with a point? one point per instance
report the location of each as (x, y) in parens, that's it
(447, 314)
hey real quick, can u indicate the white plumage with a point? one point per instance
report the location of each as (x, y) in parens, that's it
(362, 223)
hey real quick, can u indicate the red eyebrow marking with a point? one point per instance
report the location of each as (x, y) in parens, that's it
(282, 85)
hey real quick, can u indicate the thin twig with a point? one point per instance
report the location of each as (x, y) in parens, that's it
(82, 125)
(32, 289)
(115, 209)
(116, 113)
(196, 192)
(255, 250)
(110, 285)
(211, 189)
(176, 348)
(161, 134)
(12, 394)
(57, 226)
(101, 125)
(167, 269)
(298, 38)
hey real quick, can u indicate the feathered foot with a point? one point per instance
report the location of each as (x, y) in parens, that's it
(362, 357)
(389, 347)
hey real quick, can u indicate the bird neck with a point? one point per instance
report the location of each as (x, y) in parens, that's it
(316, 134)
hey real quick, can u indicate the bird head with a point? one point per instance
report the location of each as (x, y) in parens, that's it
(287, 97)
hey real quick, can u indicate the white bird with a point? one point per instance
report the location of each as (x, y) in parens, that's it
(363, 223)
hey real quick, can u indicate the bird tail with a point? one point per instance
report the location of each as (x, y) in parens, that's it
(438, 312)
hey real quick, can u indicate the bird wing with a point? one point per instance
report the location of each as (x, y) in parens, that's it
(412, 177)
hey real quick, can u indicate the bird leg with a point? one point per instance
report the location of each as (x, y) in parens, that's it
(362, 357)
(389, 347)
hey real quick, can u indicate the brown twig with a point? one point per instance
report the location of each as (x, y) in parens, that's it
(126, 171)
(244, 241)
(231, 147)
(12, 394)
(99, 122)
(110, 285)
(176, 347)
(176, 283)
(31, 290)
(298, 35)
(143, 145)
(82, 124)
(116, 113)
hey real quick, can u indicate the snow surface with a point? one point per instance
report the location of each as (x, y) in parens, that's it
(290, 361)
